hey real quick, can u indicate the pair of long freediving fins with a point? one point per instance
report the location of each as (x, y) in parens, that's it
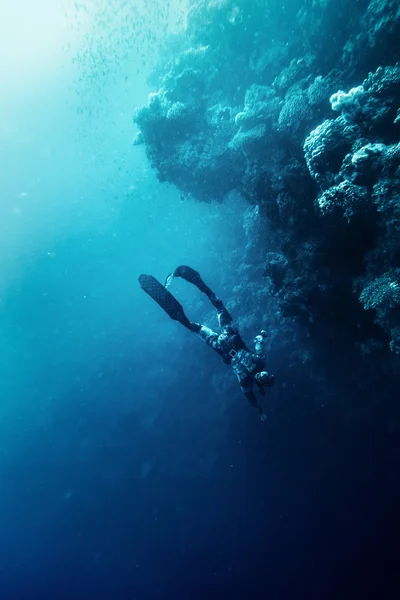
(165, 299)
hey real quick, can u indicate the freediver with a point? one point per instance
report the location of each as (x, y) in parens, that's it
(249, 367)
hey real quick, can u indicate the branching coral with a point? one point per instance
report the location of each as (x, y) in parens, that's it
(346, 198)
(383, 296)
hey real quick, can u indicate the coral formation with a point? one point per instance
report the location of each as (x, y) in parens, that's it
(302, 127)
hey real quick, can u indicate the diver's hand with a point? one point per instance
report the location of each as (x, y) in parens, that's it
(262, 414)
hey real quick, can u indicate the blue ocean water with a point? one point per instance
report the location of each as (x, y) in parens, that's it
(131, 467)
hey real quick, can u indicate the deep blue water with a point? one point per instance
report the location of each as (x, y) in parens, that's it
(130, 465)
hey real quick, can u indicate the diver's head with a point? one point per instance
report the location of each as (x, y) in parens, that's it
(265, 379)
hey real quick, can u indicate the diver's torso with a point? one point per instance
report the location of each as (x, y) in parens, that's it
(234, 352)
(229, 345)
(246, 363)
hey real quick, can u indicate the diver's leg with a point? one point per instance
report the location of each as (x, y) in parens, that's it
(246, 382)
(207, 335)
(251, 397)
(224, 318)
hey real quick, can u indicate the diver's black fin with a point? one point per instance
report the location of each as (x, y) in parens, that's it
(193, 276)
(164, 298)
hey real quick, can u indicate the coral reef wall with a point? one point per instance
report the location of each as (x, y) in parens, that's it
(295, 107)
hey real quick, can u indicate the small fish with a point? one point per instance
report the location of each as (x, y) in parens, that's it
(22, 195)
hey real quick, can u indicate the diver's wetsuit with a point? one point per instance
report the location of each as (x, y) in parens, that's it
(230, 346)
(248, 366)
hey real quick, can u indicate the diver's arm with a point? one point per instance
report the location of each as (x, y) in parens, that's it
(251, 397)
(259, 343)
